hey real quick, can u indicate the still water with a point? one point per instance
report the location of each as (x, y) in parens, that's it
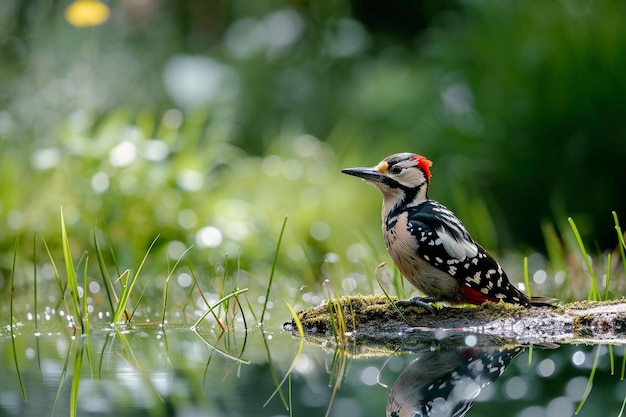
(176, 371)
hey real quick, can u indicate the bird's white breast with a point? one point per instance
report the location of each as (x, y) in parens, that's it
(402, 247)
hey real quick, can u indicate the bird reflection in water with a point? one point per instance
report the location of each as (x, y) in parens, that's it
(446, 382)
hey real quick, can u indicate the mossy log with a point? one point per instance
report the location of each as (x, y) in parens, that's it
(372, 322)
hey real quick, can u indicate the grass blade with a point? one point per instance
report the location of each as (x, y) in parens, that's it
(56, 275)
(78, 365)
(206, 302)
(391, 301)
(274, 262)
(278, 390)
(11, 326)
(608, 277)
(120, 314)
(220, 301)
(106, 278)
(120, 310)
(71, 274)
(167, 283)
(589, 381)
(63, 374)
(620, 239)
(35, 280)
(526, 276)
(594, 292)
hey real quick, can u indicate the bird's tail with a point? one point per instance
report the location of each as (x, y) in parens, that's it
(539, 301)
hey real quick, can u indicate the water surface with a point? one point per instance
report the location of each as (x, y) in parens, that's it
(176, 371)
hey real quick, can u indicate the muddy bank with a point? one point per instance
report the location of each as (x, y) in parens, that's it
(372, 323)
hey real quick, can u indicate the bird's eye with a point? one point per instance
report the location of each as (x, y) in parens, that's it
(395, 169)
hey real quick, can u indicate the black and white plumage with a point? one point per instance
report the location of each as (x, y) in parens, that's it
(430, 246)
(446, 382)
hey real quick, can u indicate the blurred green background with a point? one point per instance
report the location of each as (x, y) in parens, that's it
(207, 122)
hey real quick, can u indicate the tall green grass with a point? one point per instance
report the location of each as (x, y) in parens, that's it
(12, 322)
(594, 292)
(72, 282)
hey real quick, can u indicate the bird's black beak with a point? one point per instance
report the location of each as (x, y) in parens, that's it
(368, 174)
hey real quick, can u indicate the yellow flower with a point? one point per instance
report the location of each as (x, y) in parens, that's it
(85, 13)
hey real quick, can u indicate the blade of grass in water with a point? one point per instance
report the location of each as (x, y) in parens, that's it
(56, 275)
(35, 263)
(527, 284)
(120, 310)
(11, 319)
(132, 360)
(621, 410)
(78, 365)
(86, 331)
(339, 368)
(214, 348)
(339, 325)
(594, 292)
(71, 274)
(167, 283)
(589, 381)
(606, 298)
(217, 304)
(63, 374)
(622, 246)
(85, 304)
(620, 239)
(526, 276)
(106, 279)
(608, 277)
(278, 390)
(206, 302)
(274, 262)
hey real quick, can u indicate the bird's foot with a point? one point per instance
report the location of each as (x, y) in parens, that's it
(424, 302)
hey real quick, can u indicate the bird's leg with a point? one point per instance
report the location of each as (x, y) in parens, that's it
(424, 302)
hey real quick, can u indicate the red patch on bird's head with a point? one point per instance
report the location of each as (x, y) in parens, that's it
(424, 164)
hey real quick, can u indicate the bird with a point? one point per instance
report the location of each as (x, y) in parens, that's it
(446, 382)
(428, 243)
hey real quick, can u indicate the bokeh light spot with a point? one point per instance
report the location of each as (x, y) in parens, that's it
(173, 119)
(578, 358)
(539, 277)
(94, 287)
(560, 407)
(369, 375)
(190, 180)
(320, 230)
(575, 387)
(546, 367)
(156, 150)
(100, 182)
(123, 154)
(46, 158)
(348, 284)
(471, 340)
(85, 13)
(209, 237)
(175, 249)
(187, 218)
(184, 280)
(272, 165)
(195, 81)
(516, 388)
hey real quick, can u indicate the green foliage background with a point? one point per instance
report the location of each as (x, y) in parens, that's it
(175, 116)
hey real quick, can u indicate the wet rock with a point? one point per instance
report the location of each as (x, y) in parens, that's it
(373, 322)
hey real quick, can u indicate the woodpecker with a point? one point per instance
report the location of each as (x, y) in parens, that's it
(446, 382)
(430, 246)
